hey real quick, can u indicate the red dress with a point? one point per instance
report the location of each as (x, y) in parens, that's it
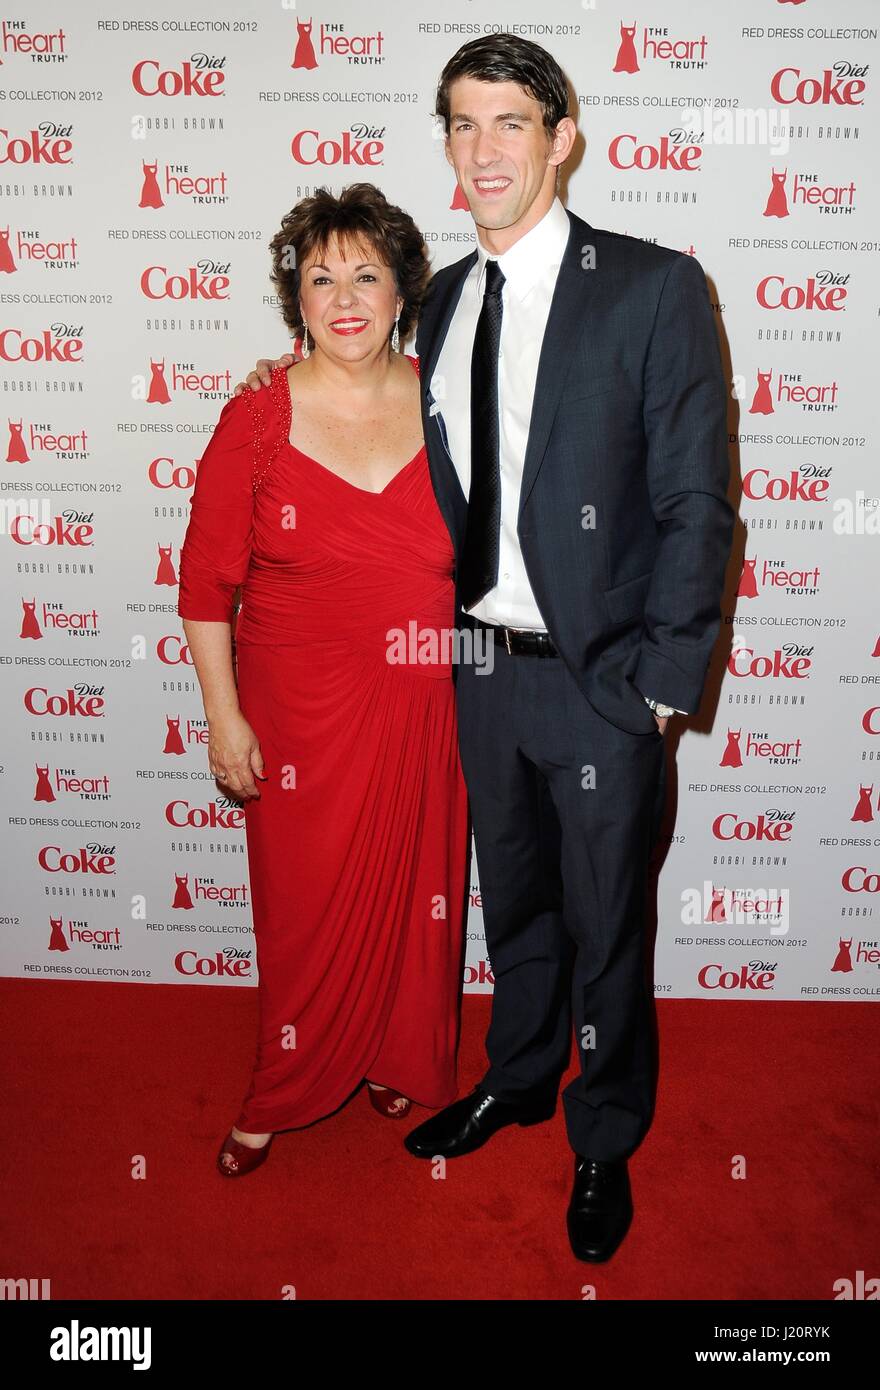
(357, 846)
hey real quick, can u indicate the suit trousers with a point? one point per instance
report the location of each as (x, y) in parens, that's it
(565, 808)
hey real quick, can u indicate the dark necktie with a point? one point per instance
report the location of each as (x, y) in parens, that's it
(479, 563)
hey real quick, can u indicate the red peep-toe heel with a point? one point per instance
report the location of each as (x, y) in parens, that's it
(235, 1159)
(383, 1101)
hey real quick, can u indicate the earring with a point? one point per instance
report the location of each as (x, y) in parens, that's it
(305, 341)
(395, 337)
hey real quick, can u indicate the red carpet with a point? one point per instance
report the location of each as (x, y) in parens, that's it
(99, 1074)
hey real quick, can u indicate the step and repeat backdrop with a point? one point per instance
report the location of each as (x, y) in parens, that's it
(148, 156)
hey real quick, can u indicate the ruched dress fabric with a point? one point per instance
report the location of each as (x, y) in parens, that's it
(357, 845)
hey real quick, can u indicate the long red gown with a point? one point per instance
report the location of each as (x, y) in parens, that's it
(357, 846)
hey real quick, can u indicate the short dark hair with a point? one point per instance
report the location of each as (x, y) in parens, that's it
(360, 215)
(508, 58)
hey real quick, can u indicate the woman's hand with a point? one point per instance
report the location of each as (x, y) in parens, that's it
(262, 373)
(234, 755)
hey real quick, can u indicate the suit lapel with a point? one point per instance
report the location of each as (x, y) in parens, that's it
(566, 322)
(433, 327)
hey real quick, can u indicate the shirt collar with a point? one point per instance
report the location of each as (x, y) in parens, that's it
(539, 250)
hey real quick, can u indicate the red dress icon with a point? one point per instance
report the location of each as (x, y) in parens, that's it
(173, 741)
(864, 810)
(304, 57)
(165, 571)
(44, 790)
(58, 941)
(843, 959)
(357, 846)
(459, 201)
(151, 193)
(717, 911)
(777, 203)
(181, 891)
(732, 756)
(762, 401)
(748, 588)
(876, 651)
(29, 624)
(627, 60)
(6, 261)
(17, 450)
(158, 390)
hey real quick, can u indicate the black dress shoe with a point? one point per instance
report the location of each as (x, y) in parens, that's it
(600, 1209)
(468, 1123)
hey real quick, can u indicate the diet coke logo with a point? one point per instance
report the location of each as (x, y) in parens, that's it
(47, 143)
(809, 483)
(840, 85)
(77, 702)
(775, 825)
(758, 975)
(826, 291)
(208, 279)
(60, 342)
(674, 153)
(71, 528)
(164, 473)
(221, 814)
(201, 75)
(228, 963)
(362, 145)
(88, 859)
(859, 879)
(790, 662)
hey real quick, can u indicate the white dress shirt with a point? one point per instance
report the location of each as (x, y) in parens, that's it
(530, 268)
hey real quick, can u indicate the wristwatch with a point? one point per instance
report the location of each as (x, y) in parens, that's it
(663, 710)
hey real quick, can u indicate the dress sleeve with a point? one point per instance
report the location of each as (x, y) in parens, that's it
(216, 549)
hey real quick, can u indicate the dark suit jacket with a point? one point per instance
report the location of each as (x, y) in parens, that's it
(629, 418)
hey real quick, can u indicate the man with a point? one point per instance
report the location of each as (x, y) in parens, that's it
(574, 410)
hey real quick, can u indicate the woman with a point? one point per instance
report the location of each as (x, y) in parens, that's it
(315, 496)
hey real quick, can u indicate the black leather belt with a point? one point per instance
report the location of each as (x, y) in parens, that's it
(519, 641)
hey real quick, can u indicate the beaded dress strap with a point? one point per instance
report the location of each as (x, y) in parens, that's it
(267, 408)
